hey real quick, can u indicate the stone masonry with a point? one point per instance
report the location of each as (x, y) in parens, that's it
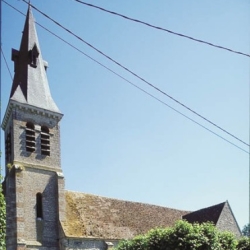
(30, 173)
(20, 116)
(227, 222)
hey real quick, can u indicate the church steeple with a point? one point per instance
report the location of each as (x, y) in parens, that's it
(30, 85)
(34, 182)
(30, 94)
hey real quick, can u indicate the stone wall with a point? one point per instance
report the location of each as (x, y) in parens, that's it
(11, 221)
(30, 173)
(88, 244)
(20, 117)
(30, 229)
(227, 222)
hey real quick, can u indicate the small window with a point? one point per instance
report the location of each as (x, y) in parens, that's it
(30, 137)
(39, 206)
(45, 141)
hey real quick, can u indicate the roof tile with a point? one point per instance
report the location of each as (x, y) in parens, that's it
(99, 217)
(209, 214)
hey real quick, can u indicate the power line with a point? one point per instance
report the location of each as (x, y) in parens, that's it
(0, 85)
(163, 29)
(137, 76)
(147, 93)
(6, 64)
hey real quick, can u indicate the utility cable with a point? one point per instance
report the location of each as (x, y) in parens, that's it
(137, 76)
(7, 65)
(0, 90)
(154, 97)
(163, 29)
(249, 139)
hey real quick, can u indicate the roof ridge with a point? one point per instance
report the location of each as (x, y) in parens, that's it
(122, 200)
(219, 204)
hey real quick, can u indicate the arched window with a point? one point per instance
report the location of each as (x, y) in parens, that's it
(30, 137)
(45, 141)
(39, 206)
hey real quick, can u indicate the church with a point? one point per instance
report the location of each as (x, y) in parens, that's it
(41, 214)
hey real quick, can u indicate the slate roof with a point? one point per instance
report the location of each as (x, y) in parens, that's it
(91, 216)
(30, 84)
(209, 214)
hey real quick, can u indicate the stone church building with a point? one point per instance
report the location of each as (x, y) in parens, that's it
(41, 214)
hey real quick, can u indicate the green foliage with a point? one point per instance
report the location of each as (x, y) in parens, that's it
(227, 240)
(2, 217)
(138, 243)
(186, 236)
(157, 238)
(204, 236)
(243, 243)
(246, 230)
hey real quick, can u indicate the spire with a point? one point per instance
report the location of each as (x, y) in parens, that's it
(30, 84)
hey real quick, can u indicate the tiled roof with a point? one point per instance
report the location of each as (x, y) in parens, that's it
(99, 217)
(209, 214)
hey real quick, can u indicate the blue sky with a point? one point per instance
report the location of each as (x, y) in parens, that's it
(117, 141)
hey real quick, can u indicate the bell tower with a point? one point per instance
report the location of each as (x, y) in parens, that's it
(34, 183)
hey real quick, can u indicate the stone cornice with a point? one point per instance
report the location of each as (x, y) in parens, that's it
(27, 107)
(22, 166)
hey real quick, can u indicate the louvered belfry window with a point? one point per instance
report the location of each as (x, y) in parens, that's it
(8, 147)
(30, 137)
(45, 141)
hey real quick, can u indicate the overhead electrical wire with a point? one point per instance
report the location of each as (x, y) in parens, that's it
(0, 85)
(6, 64)
(163, 29)
(128, 81)
(137, 76)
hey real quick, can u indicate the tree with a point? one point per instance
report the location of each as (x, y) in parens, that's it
(2, 217)
(243, 243)
(185, 236)
(246, 230)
